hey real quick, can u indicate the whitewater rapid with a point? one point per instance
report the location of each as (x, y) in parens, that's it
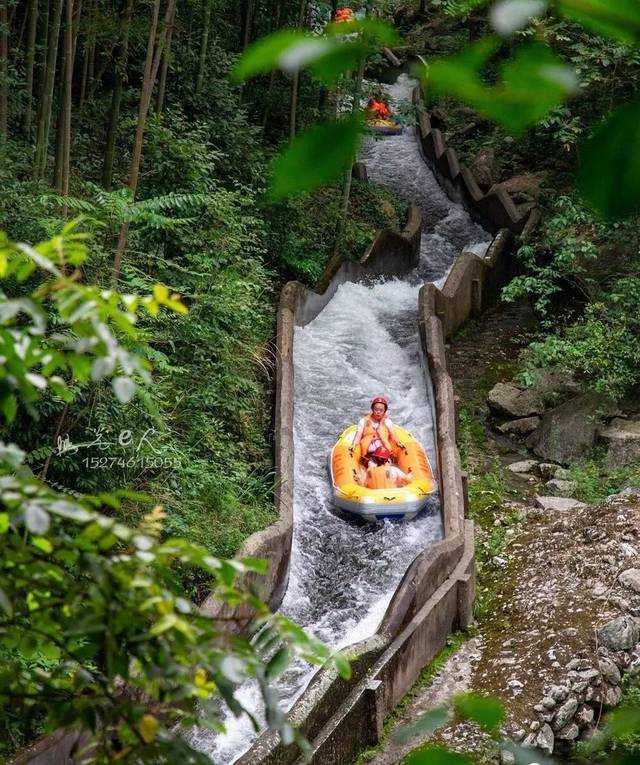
(364, 343)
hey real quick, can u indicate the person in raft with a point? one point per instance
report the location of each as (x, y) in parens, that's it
(375, 430)
(383, 474)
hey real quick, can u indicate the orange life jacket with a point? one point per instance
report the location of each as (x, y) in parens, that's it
(344, 14)
(380, 478)
(370, 433)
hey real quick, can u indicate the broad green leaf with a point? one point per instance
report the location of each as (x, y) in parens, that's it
(342, 665)
(4, 523)
(533, 82)
(488, 712)
(425, 724)
(609, 176)
(9, 407)
(436, 755)
(258, 565)
(316, 157)
(287, 49)
(509, 16)
(373, 31)
(163, 624)
(619, 19)
(277, 664)
(42, 543)
(124, 388)
(337, 61)
(5, 603)
(36, 519)
(148, 728)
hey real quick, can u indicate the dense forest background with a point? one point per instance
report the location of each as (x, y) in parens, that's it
(124, 113)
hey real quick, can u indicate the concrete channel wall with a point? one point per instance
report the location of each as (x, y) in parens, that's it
(493, 210)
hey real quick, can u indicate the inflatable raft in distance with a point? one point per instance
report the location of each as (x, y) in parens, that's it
(384, 127)
(379, 504)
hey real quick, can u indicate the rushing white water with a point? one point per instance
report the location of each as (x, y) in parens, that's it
(363, 343)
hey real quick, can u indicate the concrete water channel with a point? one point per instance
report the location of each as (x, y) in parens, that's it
(364, 342)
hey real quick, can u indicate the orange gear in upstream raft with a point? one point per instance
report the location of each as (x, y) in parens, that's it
(344, 14)
(378, 109)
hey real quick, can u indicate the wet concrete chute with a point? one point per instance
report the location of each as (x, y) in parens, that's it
(363, 343)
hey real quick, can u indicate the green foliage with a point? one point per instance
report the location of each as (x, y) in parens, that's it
(316, 157)
(602, 348)
(563, 252)
(533, 82)
(596, 479)
(619, 19)
(610, 169)
(95, 627)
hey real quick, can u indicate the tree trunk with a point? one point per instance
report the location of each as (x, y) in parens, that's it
(204, 46)
(272, 76)
(44, 117)
(166, 57)
(346, 186)
(326, 103)
(66, 102)
(4, 67)
(116, 100)
(58, 161)
(248, 24)
(30, 63)
(151, 66)
(295, 85)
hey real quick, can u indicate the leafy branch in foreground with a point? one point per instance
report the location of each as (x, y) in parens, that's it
(96, 631)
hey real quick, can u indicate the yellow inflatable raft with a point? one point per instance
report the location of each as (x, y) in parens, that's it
(384, 127)
(348, 477)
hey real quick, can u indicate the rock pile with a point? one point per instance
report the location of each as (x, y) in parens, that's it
(560, 424)
(592, 685)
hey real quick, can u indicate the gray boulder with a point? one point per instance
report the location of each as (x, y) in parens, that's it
(584, 716)
(545, 739)
(521, 427)
(568, 431)
(631, 579)
(560, 487)
(569, 733)
(559, 504)
(524, 466)
(620, 634)
(565, 713)
(609, 671)
(507, 400)
(609, 696)
(622, 439)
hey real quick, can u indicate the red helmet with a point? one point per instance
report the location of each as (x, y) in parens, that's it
(380, 400)
(382, 454)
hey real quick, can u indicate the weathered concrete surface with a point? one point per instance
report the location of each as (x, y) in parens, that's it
(495, 209)
(56, 749)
